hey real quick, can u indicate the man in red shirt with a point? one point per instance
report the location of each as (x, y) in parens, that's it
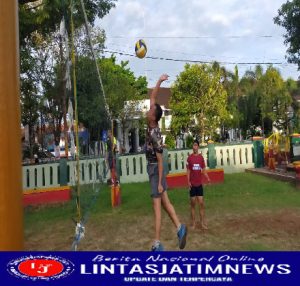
(195, 167)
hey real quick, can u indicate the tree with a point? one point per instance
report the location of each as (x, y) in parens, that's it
(249, 101)
(288, 18)
(47, 78)
(231, 84)
(294, 90)
(44, 16)
(29, 111)
(29, 94)
(198, 100)
(275, 99)
(91, 109)
(39, 37)
(120, 85)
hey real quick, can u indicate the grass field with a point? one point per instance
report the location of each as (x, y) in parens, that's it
(246, 212)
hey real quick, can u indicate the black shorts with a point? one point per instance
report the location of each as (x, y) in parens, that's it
(196, 191)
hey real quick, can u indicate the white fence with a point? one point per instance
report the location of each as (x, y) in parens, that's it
(48, 175)
(40, 176)
(232, 158)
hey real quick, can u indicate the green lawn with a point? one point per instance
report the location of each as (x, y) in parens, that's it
(246, 212)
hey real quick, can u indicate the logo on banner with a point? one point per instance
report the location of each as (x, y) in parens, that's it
(40, 267)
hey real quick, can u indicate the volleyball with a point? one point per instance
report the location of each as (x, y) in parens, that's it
(140, 49)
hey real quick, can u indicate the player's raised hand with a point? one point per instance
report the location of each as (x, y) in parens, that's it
(163, 77)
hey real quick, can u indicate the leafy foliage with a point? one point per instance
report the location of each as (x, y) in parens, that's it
(120, 85)
(44, 54)
(289, 18)
(44, 16)
(198, 100)
(274, 98)
(170, 141)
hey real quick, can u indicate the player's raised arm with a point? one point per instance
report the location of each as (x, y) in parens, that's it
(154, 93)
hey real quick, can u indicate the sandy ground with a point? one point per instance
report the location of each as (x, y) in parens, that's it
(256, 231)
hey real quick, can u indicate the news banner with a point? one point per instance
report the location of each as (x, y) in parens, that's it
(150, 268)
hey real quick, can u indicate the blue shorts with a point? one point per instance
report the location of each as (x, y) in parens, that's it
(152, 170)
(196, 191)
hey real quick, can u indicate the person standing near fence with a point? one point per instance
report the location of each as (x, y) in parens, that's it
(195, 168)
(157, 178)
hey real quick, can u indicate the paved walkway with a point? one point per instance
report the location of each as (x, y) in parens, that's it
(280, 173)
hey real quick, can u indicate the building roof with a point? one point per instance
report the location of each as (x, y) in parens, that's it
(163, 97)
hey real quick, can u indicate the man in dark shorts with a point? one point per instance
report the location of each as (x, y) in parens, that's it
(195, 168)
(157, 178)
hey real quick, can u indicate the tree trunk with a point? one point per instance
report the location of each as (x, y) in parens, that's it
(201, 123)
(57, 132)
(31, 139)
(65, 123)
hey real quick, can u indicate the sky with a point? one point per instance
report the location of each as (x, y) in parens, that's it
(227, 31)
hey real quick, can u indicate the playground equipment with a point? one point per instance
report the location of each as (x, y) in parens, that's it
(295, 147)
(281, 148)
